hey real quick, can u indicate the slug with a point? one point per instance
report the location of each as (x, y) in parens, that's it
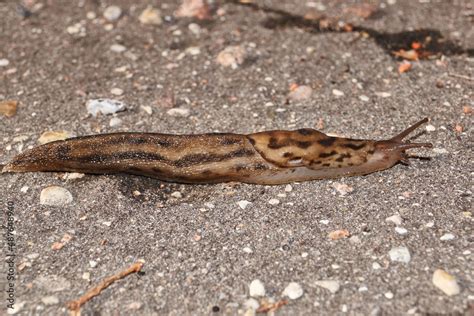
(271, 157)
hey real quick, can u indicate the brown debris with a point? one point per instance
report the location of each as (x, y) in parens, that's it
(467, 109)
(407, 54)
(74, 306)
(362, 10)
(198, 9)
(458, 128)
(339, 234)
(58, 245)
(266, 307)
(8, 107)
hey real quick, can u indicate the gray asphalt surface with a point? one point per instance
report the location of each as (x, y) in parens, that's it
(201, 250)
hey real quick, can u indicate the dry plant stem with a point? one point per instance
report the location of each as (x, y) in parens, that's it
(461, 76)
(266, 308)
(76, 304)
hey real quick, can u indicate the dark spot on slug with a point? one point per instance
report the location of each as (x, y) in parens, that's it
(371, 152)
(354, 146)
(343, 156)
(229, 141)
(327, 141)
(136, 140)
(303, 145)
(273, 143)
(305, 131)
(326, 164)
(325, 155)
(350, 164)
(240, 167)
(287, 155)
(260, 166)
(164, 143)
(62, 152)
(317, 162)
(206, 172)
(251, 140)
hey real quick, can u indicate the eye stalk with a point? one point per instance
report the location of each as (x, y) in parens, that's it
(396, 147)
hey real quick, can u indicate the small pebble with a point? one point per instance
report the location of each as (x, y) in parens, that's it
(179, 112)
(256, 288)
(112, 13)
(401, 230)
(104, 106)
(293, 291)
(116, 91)
(274, 202)
(55, 196)
(4, 62)
(400, 254)
(447, 237)
(300, 93)
(338, 234)
(363, 289)
(389, 295)
(364, 98)
(243, 204)
(73, 176)
(91, 15)
(177, 195)
(251, 304)
(86, 276)
(148, 110)
(430, 128)
(396, 219)
(247, 250)
(194, 28)
(446, 282)
(376, 266)
(331, 285)
(383, 94)
(117, 48)
(288, 188)
(342, 188)
(115, 121)
(150, 16)
(52, 136)
(231, 56)
(93, 263)
(134, 306)
(50, 300)
(24, 189)
(337, 93)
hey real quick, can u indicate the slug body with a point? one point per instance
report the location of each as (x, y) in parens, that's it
(271, 157)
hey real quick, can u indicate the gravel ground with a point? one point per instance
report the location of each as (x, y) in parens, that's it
(201, 247)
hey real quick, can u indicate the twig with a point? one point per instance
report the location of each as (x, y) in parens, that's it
(271, 307)
(75, 305)
(461, 76)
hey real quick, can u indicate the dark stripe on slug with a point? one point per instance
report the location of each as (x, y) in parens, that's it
(327, 141)
(287, 155)
(305, 131)
(229, 141)
(163, 143)
(116, 157)
(303, 145)
(62, 152)
(343, 156)
(260, 166)
(325, 164)
(354, 146)
(325, 155)
(195, 159)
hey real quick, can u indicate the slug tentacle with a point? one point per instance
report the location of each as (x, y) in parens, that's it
(271, 157)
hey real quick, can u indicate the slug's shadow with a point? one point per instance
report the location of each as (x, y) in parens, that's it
(433, 41)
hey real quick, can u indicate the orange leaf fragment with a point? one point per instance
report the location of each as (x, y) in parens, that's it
(338, 234)
(8, 107)
(416, 45)
(404, 66)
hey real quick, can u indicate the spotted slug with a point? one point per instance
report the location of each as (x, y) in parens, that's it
(271, 157)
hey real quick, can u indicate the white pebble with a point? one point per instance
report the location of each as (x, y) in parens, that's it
(274, 202)
(243, 204)
(73, 175)
(331, 285)
(304, 255)
(396, 219)
(177, 195)
(342, 188)
(400, 254)
(108, 224)
(440, 151)
(293, 291)
(447, 237)
(324, 221)
(179, 112)
(446, 282)
(364, 98)
(389, 295)
(300, 93)
(4, 62)
(337, 93)
(193, 50)
(50, 300)
(430, 128)
(429, 225)
(148, 110)
(376, 266)
(116, 91)
(383, 94)
(115, 121)
(401, 230)
(91, 15)
(256, 288)
(288, 188)
(93, 263)
(247, 250)
(112, 13)
(51, 136)
(251, 304)
(24, 189)
(194, 28)
(55, 196)
(150, 16)
(363, 289)
(104, 106)
(117, 48)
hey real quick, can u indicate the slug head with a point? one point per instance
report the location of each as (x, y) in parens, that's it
(393, 150)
